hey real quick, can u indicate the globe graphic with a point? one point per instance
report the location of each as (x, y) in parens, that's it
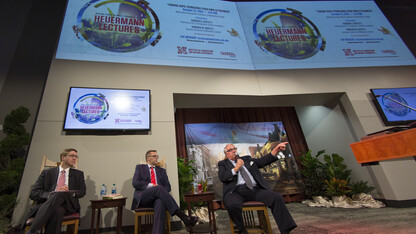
(391, 104)
(118, 26)
(287, 34)
(90, 108)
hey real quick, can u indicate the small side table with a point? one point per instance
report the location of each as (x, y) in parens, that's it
(108, 203)
(207, 197)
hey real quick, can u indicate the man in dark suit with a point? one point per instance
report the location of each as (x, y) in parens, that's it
(56, 192)
(242, 181)
(152, 189)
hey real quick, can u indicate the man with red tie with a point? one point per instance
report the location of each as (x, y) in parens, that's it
(152, 189)
(56, 192)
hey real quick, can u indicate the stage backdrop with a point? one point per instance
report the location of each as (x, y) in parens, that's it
(205, 144)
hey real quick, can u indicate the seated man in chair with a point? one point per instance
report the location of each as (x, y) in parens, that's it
(152, 189)
(242, 181)
(56, 192)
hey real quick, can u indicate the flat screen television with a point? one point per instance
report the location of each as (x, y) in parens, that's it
(107, 109)
(396, 106)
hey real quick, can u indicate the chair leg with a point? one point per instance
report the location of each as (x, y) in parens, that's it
(266, 217)
(136, 224)
(232, 226)
(76, 226)
(168, 222)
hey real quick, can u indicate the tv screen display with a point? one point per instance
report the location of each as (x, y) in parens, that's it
(397, 106)
(107, 109)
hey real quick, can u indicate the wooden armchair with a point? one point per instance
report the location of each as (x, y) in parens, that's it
(72, 220)
(262, 225)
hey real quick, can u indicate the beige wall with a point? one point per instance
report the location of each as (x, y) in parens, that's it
(112, 159)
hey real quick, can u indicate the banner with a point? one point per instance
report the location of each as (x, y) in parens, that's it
(231, 35)
(205, 145)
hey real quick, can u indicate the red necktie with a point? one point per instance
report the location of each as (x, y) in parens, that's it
(152, 176)
(61, 180)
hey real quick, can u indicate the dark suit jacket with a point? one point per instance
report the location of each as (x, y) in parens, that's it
(252, 164)
(46, 183)
(141, 179)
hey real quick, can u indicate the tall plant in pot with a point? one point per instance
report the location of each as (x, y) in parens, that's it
(12, 153)
(186, 173)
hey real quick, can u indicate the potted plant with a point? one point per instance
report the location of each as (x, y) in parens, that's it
(12, 159)
(330, 178)
(186, 173)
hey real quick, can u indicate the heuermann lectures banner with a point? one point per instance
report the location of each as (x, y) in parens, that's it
(242, 35)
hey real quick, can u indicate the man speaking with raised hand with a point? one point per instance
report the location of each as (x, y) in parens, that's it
(242, 181)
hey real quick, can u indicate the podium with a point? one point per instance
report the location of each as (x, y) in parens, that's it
(385, 147)
(391, 164)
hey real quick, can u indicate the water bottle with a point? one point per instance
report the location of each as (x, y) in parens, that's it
(195, 187)
(113, 189)
(103, 191)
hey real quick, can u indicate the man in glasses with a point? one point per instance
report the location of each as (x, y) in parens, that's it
(152, 189)
(56, 192)
(242, 181)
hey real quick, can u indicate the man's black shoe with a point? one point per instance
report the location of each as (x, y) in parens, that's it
(191, 221)
(288, 230)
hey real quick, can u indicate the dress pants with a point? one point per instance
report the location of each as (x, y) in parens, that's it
(158, 197)
(234, 204)
(52, 212)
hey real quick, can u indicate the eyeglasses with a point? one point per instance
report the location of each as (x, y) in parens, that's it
(72, 155)
(154, 156)
(230, 150)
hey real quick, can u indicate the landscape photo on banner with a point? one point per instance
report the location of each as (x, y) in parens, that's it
(205, 144)
(232, 35)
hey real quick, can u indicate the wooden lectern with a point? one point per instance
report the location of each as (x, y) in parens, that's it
(391, 146)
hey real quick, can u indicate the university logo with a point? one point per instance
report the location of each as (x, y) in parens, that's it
(118, 25)
(90, 108)
(287, 34)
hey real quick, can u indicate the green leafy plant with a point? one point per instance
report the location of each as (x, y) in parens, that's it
(334, 167)
(186, 173)
(336, 187)
(326, 176)
(12, 153)
(360, 187)
(313, 174)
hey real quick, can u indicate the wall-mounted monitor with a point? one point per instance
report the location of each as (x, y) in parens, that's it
(396, 106)
(107, 109)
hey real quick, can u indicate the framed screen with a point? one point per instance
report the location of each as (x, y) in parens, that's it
(396, 106)
(107, 109)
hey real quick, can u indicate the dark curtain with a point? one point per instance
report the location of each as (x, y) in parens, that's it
(241, 115)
